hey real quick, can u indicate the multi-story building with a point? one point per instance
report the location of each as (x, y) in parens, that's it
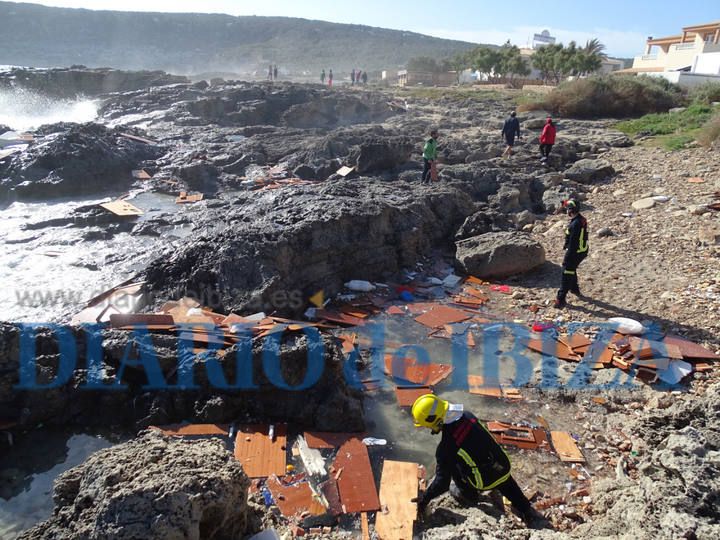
(688, 58)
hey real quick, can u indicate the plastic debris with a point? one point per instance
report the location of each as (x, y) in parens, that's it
(360, 285)
(372, 441)
(625, 325)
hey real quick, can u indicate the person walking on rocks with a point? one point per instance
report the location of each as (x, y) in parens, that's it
(576, 249)
(275, 72)
(270, 72)
(330, 78)
(510, 130)
(547, 139)
(430, 151)
(364, 78)
(322, 77)
(352, 77)
(469, 460)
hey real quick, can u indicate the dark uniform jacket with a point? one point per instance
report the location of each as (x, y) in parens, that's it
(576, 239)
(468, 454)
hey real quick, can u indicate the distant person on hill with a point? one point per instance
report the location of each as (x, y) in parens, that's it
(547, 139)
(322, 77)
(275, 72)
(270, 72)
(330, 78)
(429, 155)
(510, 130)
(364, 77)
(352, 77)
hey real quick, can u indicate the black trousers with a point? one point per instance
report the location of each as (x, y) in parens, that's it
(426, 170)
(545, 149)
(509, 489)
(569, 280)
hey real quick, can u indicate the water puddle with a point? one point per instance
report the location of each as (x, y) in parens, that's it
(28, 469)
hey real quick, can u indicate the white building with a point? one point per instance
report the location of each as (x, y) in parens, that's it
(690, 58)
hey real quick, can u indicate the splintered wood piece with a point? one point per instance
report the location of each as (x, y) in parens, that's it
(326, 439)
(688, 349)
(477, 386)
(186, 198)
(329, 489)
(566, 447)
(575, 341)
(406, 395)
(356, 483)
(260, 456)
(399, 484)
(407, 369)
(141, 174)
(345, 170)
(395, 310)
(179, 430)
(599, 354)
(521, 436)
(441, 315)
(118, 320)
(474, 280)
(557, 349)
(339, 317)
(294, 499)
(122, 208)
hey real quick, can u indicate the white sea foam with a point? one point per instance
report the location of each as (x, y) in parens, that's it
(25, 110)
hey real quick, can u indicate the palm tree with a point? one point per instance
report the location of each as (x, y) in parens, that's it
(593, 47)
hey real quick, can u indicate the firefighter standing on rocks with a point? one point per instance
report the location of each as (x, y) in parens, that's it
(576, 249)
(469, 460)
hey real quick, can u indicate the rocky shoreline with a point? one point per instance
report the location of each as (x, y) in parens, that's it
(280, 219)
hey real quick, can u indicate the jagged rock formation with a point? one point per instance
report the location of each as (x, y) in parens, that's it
(152, 487)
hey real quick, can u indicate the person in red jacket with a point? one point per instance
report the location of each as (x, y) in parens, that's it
(547, 139)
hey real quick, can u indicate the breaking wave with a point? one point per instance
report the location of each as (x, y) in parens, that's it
(24, 109)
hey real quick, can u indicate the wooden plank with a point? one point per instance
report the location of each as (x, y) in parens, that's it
(440, 315)
(364, 526)
(138, 139)
(345, 170)
(688, 349)
(356, 482)
(557, 349)
(565, 447)
(406, 395)
(329, 489)
(294, 499)
(407, 369)
(399, 484)
(326, 439)
(141, 319)
(477, 386)
(122, 208)
(180, 430)
(141, 174)
(261, 457)
(577, 340)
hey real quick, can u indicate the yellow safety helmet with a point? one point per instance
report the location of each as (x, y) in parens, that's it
(429, 411)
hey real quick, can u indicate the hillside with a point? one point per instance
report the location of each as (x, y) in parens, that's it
(40, 36)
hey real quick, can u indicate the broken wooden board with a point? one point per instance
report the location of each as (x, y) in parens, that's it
(138, 139)
(141, 174)
(566, 447)
(407, 369)
(356, 483)
(122, 208)
(598, 355)
(407, 395)
(339, 317)
(261, 457)
(477, 386)
(575, 341)
(521, 436)
(186, 198)
(441, 315)
(119, 320)
(185, 430)
(399, 484)
(327, 439)
(364, 526)
(395, 310)
(644, 348)
(689, 349)
(345, 170)
(556, 349)
(294, 499)
(329, 489)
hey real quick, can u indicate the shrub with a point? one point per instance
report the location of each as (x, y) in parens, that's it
(691, 118)
(707, 93)
(710, 132)
(614, 96)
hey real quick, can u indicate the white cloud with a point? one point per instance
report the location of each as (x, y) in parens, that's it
(618, 43)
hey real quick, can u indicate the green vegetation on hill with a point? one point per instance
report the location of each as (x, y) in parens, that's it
(670, 130)
(34, 35)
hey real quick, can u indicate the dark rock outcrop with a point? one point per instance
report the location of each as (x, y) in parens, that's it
(586, 171)
(152, 487)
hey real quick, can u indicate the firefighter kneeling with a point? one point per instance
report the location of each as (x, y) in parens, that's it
(467, 455)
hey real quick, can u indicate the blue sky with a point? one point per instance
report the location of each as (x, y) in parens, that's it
(622, 25)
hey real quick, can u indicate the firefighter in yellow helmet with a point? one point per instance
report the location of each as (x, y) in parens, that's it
(467, 455)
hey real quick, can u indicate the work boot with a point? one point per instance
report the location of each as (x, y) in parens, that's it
(577, 293)
(560, 303)
(534, 519)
